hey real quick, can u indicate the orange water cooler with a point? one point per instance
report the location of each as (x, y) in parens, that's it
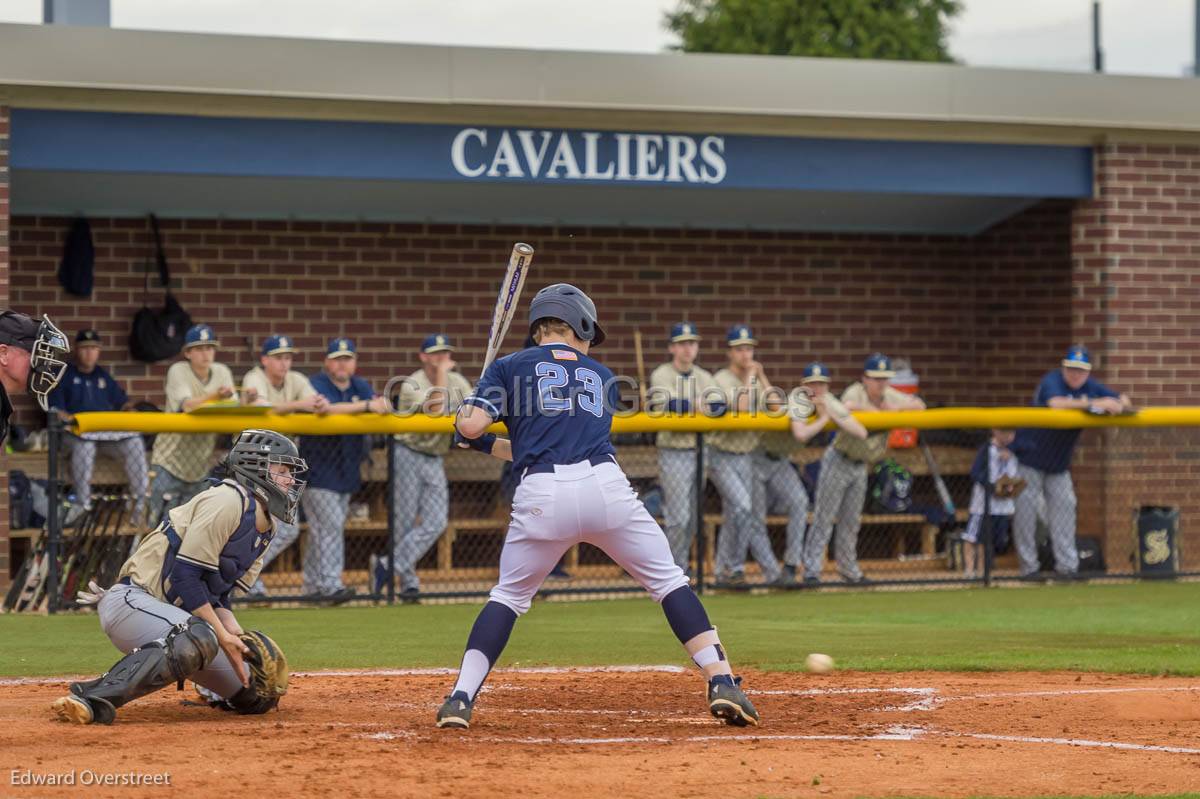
(906, 382)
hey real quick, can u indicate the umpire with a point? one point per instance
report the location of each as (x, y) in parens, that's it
(1045, 458)
(32, 358)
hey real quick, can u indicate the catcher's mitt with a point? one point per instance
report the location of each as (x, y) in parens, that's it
(268, 674)
(1009, 487)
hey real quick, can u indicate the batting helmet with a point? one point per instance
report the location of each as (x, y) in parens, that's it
(564, 301)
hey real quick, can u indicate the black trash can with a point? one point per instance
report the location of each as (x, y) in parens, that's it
(1158, 540)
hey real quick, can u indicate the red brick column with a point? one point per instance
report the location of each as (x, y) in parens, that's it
(4, 577)
(1136, 304)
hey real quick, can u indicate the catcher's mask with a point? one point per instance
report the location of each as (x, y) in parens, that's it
(47, 361)
(250, 461)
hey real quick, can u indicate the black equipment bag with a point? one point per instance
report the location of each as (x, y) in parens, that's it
(158, 333)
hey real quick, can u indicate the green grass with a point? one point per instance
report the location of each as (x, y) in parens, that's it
(1142, 628)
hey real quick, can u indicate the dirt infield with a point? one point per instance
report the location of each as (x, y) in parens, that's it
(587, 733)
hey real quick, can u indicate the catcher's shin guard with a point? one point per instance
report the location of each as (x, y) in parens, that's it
(187, 649)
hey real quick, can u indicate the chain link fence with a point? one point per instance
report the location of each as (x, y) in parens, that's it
(383, 521)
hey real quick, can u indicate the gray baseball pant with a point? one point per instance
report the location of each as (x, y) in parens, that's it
(677, 475)
(841, 489)
(778, 486)
(131, 617)
(1059, 494)
(325, 556)
(129, 451)
(733, 475)
(420, 489)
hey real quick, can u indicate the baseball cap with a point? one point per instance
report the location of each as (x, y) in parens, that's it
(341, 348)
(200, 335)
(18, 330)
(436, 342)
(1078, 357)
(684, 331)
(815, 372)
(277, 345)
(878, 365)
(740, 335)
(87, 337)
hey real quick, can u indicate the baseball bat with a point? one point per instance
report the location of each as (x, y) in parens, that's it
(507, 299)
(938, 482)
(641, 367)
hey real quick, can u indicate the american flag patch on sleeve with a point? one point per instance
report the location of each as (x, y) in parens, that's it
(564, 355)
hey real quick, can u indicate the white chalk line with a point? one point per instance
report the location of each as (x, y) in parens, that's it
(1179, 750)
(928, 696)
(890, 734)
(424, 672)
(1071, 692)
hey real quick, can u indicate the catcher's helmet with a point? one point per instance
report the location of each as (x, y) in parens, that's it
(564, 301)
(250, 461)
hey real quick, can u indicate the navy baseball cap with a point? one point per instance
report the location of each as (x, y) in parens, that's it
(199, 336)
(684, 331)
(87, 338)
(815, 372)
(878, 365)
(1078, 358)
(341, 348)
(437, 342)
(740, 335)
(277, 345)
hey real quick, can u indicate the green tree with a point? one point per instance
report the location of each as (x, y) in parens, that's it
(902, 30)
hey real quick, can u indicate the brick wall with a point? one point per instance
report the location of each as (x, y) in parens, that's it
(1136, 283)
(4, 250)
(972, 314)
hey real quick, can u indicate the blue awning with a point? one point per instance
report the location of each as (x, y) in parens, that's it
(88, 162)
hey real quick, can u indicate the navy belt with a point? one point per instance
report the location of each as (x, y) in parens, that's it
(546, 468)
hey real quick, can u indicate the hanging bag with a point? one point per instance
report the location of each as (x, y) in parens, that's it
(158, 333)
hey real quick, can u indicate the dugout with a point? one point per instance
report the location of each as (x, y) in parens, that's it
(975, 221)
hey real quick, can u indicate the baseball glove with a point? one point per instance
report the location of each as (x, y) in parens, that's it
(268, 673)
(1009, 487)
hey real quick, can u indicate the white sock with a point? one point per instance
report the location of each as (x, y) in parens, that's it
(472, 673)
(711, 661)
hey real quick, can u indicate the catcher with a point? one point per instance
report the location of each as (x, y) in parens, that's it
(994, 471)
(169, 611)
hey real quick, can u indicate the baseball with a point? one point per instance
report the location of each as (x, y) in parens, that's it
(818, 663)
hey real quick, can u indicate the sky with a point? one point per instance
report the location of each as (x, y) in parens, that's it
(1140, 37)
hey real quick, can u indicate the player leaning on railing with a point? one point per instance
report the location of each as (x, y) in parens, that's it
(557, 403)
(169, 610)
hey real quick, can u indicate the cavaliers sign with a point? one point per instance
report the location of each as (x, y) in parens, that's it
(588, 155)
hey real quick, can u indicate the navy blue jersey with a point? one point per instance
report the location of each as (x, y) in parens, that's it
(1050, 450)
(334, 461)
(556, 402)
(96, 390)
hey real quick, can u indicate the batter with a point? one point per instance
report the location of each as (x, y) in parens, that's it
(557, 403)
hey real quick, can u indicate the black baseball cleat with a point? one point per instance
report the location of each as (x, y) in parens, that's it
(78, 709)
(455, 712)
(728, 702)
